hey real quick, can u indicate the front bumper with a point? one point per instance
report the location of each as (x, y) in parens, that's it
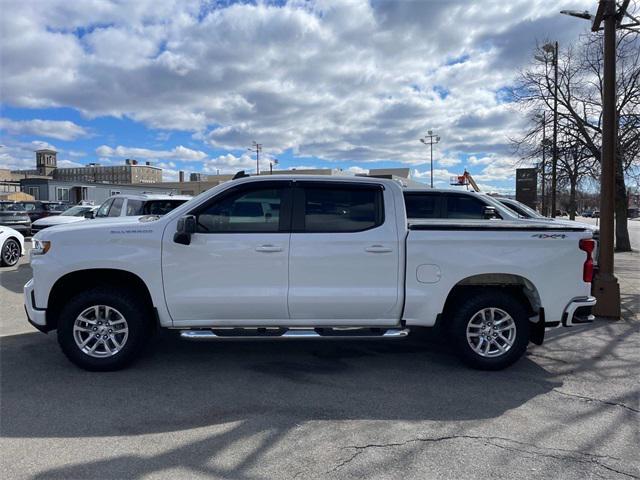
(36, 316)
(579, 311)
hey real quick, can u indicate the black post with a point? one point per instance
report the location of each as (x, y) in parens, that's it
(431, 161)
(554, 162)
(544, 157)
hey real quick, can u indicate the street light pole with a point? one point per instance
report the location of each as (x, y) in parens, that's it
(554, 164)
(432, 139)
(543, 206)
(553, 48)
(256, 148)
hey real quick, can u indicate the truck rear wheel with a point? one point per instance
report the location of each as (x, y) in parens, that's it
(490, 330)
(103, 329)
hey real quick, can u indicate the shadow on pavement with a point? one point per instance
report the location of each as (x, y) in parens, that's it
(179, 385)
(19, 276)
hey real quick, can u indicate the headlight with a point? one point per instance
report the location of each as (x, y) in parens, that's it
(40, 247)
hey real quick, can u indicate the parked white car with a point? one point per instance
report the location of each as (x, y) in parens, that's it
(128, 205)
(71, 215)
(306, 257)
(11, 246)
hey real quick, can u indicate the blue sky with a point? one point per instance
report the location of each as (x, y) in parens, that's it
(188, 85)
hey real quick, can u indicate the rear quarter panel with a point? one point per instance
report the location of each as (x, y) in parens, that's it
(550, 261)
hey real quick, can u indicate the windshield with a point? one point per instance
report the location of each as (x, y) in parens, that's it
(11, 207)
(502, 208)
(77, 211)
(54, 207)
(522, 209)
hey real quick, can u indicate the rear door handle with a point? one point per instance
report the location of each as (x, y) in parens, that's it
(377, 249)
(268, 248)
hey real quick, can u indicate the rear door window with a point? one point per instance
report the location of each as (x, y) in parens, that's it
(339, 208)
(159, 207)
(116, 207)
(464, 207)
(422, 205)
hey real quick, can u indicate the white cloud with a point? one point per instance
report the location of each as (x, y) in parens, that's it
(353, 81)
(473, 160)
(356, 170)
(178, 153)
(59, 129)
(19, 155)
(230, 164)
(448, 161)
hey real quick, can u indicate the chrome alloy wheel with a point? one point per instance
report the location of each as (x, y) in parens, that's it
(491, 332)
(100, 331)
(11, 252)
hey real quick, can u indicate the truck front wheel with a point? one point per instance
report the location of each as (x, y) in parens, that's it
(490, 330)
(103, 329)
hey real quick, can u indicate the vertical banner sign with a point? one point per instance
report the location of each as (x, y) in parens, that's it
(527, 186)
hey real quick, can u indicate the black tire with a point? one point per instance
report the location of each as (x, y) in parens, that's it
(467, 310)
(10, 253)
(125, 303)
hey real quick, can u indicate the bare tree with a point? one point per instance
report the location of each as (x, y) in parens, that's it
(575, 164)
(580, 92)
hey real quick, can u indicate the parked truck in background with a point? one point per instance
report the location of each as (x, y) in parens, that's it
(302, 257)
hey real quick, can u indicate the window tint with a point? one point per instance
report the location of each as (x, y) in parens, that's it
(29, 207)
(134, 207)
(463, 206)
(116, 207)
(338, 208)
(244, 211)
(159, 207)
(422, 205)
(11, 207)
(104, 208)
(517, 209)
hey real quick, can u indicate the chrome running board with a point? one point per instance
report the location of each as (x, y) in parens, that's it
(223, 334)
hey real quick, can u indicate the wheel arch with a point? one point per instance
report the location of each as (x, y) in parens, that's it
(77, 281)
(17, 240)
(517, 285)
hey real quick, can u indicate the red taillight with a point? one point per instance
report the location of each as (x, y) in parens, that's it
(587, 245)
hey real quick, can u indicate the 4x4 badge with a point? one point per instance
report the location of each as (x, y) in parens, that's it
(549, 235)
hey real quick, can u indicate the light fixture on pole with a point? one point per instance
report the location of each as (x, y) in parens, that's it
(272, 162)
(256, 148)
(430, 139)
(605, 285)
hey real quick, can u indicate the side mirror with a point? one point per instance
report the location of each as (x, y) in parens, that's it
(490, 212)
(185, 228)
(89, 215)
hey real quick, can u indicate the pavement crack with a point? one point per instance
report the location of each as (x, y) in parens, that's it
(597, 400)
(499, 442)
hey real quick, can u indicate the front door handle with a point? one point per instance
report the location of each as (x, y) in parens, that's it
(377, 249)
(268, 248)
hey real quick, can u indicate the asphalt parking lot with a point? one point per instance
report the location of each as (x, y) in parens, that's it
(383, 410)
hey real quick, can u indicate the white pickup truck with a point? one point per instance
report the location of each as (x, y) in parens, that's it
(300, 257)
